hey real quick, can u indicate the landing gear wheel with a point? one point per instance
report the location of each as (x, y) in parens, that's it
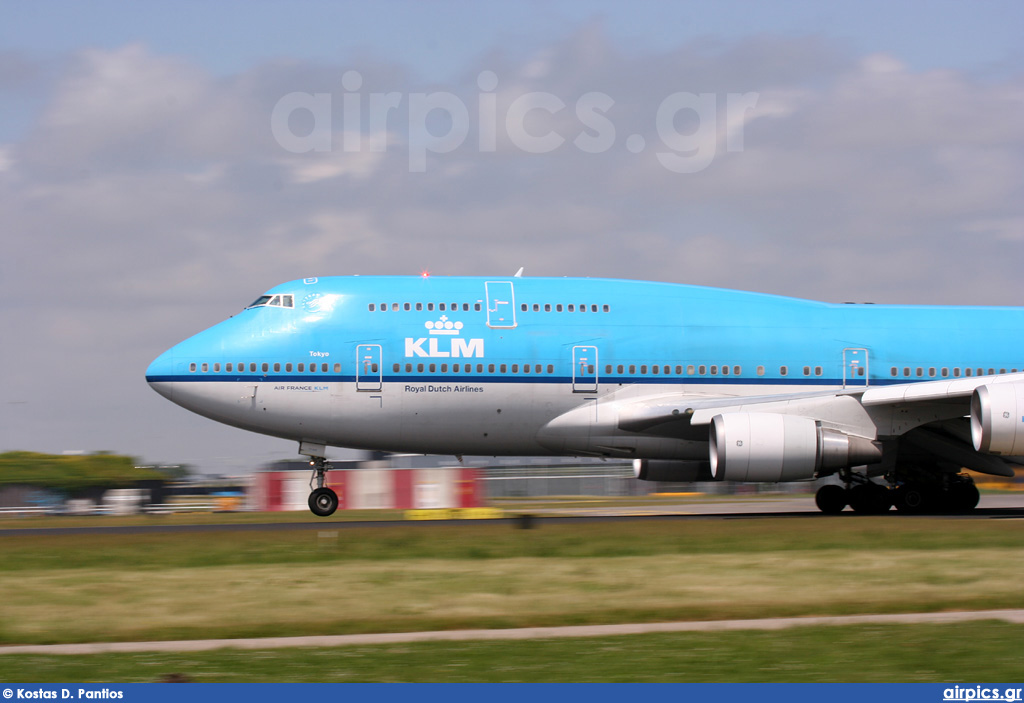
(963, 497)
(913, 498)
(870, 499)
(323, 502)
(831, 499)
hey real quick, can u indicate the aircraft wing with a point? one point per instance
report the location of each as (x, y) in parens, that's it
(975, 422)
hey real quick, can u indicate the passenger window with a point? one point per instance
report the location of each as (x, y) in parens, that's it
(465, 307)
(571, 308)
(372, 307)
(725, 370)
(408, 368)
(504, 368)
(526, 368)
(265, 367)
(444, 368)
(807, 371)
(655, 370)
(216, 368)
(760, 371)
(551, 368)
(618, 369)
(419, 368)
(968, 372)
(817, 370)
(430, 306)
(394, 307)
(476, 306)
(701, 370)
(277, 367)
(515, 368)
(783, 370)
(593, 308)
(607, 308)
(192, 368)
(523, 307)
(608, 368)
(433, 368)
(714, 370)
(229, 367)
(396, 368)
(419, 306)
(944, 372)
(547, 307)
(490, 368)
(536, 307)
(679, 371)
(860, 370)
(441, 307)
(632, 369)
(205, 367)
(931, 371)
(558, 308)
(894, 371)
(288, 367)
(407, 306)
(643, 369)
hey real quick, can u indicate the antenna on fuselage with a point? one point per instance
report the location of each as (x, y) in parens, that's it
(519, 273)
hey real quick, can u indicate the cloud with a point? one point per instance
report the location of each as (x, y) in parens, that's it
(150, 197)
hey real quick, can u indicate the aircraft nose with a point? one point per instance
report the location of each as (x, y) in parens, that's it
(160, 373)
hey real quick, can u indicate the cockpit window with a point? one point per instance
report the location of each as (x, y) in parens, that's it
(277, 301)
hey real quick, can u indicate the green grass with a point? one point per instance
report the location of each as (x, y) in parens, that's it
(73, 588)
(884, 653)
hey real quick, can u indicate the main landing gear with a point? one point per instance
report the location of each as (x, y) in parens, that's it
(910, 491)
(322, 501)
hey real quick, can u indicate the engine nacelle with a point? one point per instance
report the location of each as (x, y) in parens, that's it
(997, 419)
(672, 471)
(776, 447)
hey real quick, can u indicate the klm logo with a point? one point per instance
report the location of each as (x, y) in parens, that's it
(436, 345)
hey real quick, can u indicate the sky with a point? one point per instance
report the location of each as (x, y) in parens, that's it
(162, 164)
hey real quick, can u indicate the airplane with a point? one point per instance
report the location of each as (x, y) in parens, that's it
(691, 383)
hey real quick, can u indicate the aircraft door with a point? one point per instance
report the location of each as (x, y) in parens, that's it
(369, 367)
(855, 367)
(584, 369)
(501, 304)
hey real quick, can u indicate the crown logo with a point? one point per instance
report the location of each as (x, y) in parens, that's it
(443, 326)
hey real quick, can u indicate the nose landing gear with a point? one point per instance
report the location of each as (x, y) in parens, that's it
(322, 501)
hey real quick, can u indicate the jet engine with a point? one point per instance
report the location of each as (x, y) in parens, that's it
(672, 471)
(997, 419)
(775, 447)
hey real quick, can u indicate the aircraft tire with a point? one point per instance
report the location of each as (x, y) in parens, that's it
(870, 499)
(323, 502)
(963, 497)
(914, 499)
(831, 499)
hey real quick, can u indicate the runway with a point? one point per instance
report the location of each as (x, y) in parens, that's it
(525, 633)
(996, 506)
